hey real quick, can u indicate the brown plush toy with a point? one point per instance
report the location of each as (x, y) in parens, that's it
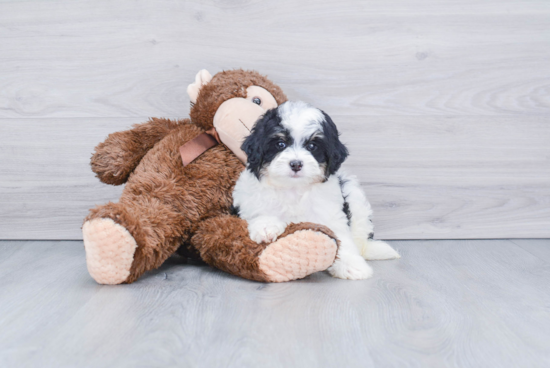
(178, 189)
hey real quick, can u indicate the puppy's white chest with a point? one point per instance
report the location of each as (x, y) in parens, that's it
(321, 204)
(296, 206)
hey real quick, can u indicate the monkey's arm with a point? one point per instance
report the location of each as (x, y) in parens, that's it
(116, 157)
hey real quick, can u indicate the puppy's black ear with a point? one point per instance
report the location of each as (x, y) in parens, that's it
(252, 147)
(254, 144)
(336, 151)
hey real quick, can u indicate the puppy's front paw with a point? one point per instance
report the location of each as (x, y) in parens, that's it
(350, 267)
(266, 232)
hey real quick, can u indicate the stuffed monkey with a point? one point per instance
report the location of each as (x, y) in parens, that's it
(179, 180)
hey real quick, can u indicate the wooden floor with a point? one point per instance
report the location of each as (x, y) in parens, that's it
(468, 303)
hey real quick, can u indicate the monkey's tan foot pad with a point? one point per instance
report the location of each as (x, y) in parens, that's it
(109, 250)
(298, 255)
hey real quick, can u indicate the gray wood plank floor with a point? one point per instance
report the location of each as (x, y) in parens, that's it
(452, 303)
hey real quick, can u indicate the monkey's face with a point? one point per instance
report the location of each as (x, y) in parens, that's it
(231, 102)
(235, 117)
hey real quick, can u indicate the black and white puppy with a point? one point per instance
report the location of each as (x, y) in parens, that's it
(293, 175)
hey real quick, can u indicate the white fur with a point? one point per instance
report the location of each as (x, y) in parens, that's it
(361, 224)
(300, 118)
(282, 196)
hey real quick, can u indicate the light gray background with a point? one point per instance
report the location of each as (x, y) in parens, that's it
(445, 105)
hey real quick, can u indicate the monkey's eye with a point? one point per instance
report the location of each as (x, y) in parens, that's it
(257, 101)
(281, 145)
(311, 147)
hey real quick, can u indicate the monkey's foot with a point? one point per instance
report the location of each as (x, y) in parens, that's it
(110, 250)
(297, 255)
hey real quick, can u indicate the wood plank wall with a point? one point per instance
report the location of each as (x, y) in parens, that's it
(445, 105)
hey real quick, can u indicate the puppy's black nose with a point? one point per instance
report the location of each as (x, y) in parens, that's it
(296, 165)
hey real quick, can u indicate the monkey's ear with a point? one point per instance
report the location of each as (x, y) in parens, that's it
(202, 78)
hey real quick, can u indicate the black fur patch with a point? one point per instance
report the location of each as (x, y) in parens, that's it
(235, 211)
(371, 235)
(342, 182)
(261, 145)
(346, 209)
(347, 212)
(336, 151)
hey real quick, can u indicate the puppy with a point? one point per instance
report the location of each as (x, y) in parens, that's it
(293, 175)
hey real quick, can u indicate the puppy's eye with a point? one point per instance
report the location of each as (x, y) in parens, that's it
(257, 101)
(281, 145)
(311, 147)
